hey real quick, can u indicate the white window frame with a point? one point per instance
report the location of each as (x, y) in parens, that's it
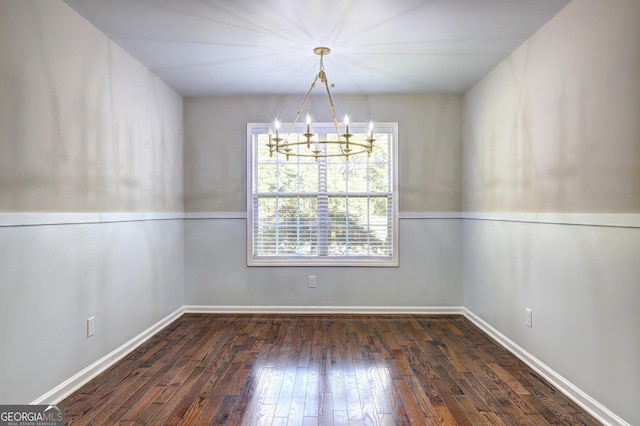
(375, 261)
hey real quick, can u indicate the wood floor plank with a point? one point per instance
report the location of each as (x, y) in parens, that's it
(320, 370)
(140, 393)
(216, 401)
(300, 383)
(325, 408)
(338, 391)
(283, 404)
(312, 400)
(413, 411)
(354, 404)
(451, 403)
(423, 402)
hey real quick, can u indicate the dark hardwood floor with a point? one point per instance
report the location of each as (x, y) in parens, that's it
(321, 370)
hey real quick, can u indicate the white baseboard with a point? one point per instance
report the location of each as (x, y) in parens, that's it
(74, 383)
(346, 310)
(589, 404)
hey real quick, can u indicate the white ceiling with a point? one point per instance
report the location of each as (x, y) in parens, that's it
(225, 47)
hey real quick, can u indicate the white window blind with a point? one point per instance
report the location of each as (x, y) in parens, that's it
(331, 211)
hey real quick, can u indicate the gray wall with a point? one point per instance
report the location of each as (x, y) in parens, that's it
(429, 275)
(430, 180)
(83, 128)
(430, 145)
(128, 275)
(581, 283)
(555, 128)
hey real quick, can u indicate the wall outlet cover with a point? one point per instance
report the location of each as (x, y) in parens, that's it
(91, 326)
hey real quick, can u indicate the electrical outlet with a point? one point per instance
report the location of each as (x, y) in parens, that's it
(529, 318)
(312, 281)
(91, 326)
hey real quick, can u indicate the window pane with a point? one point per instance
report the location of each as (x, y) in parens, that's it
(309, 178)
(357, 177)
(379, 179)
(287, 226)
(336, 177)
(379, 223)
(308, 225)
(288, 177)
(358, 209)
(266, 178)
(358, 229)
(337, 226)
(265, 226)
(381, 149)
(263, 150)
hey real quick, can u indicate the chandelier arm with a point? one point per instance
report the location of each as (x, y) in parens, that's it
(326, 142)
(304, 102)
(313, 155)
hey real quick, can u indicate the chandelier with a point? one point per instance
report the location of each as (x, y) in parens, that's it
(313, 146)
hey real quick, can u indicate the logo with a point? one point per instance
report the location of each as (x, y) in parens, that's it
(31, 415)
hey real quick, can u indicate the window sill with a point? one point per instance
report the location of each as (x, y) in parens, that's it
(389, 262)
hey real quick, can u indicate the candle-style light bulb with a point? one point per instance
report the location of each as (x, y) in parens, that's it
(371, 129)
(308, 123)
(277, 125)
(346, 123)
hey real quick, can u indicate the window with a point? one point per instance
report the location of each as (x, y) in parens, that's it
(333, 211)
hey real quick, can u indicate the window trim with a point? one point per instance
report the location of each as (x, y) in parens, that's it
(360, 261)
